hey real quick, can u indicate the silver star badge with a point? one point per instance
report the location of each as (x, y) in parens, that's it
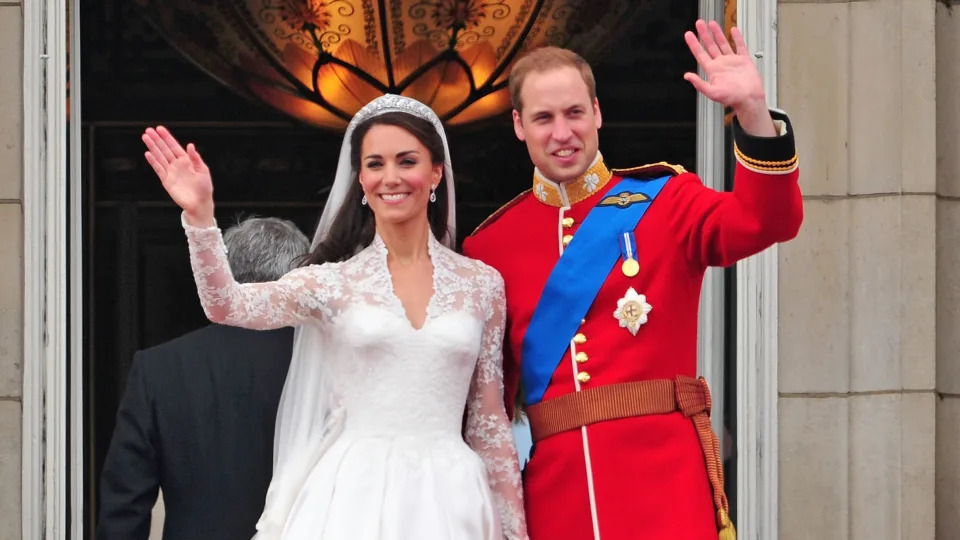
(632, 311)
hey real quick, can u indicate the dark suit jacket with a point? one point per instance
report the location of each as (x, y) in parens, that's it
(196, 420)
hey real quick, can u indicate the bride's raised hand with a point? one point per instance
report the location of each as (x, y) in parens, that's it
(183, 174)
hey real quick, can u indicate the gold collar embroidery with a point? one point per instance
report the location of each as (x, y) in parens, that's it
(569, 193)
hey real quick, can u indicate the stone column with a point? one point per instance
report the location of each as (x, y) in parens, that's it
(857, 315)
(11, 264)
(948, 271)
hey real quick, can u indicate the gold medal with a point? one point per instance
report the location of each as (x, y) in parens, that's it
(628, 249)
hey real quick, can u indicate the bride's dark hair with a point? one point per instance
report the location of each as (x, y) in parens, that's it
(353, 227)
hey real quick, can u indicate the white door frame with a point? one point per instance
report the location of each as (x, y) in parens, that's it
(756, 339)
(757, 329)
(710, 168)
(52, 335)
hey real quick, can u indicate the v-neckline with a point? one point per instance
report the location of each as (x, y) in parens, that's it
(381, 247)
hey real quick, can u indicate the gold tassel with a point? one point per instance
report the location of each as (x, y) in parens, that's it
(727, 532)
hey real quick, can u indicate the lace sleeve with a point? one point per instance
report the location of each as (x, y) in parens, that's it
(488, 430)
(290, 300)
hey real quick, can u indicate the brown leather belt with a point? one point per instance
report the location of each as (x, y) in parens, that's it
(659, 396)
(613, 401)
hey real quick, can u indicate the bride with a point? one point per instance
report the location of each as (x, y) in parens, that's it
(397, 338)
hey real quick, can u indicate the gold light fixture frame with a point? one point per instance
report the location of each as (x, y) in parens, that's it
(321, 60)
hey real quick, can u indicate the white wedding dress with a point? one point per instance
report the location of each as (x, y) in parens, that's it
(402, 467)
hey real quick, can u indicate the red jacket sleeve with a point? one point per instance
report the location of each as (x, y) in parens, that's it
(765, 206)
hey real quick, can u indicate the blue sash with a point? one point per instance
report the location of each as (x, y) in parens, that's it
(576, 279)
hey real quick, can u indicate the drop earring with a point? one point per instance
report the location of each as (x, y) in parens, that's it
(363, 201)
(433, 194)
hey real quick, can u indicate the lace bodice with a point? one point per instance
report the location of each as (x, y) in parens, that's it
(392, 378)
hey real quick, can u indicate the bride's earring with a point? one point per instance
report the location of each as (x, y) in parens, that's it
(433, 194)
(363, 201)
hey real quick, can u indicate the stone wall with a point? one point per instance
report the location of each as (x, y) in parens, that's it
(859, 287)
(11, 264)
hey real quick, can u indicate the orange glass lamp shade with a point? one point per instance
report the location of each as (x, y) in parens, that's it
(320, 61)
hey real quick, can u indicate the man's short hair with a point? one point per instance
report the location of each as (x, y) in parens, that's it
(262, 249)
(544, 59)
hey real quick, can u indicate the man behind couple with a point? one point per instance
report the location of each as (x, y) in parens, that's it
(397, 334)
(197, 415)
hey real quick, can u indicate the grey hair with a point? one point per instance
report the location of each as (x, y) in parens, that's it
(262, 249)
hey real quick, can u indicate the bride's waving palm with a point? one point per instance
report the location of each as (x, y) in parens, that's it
(181, 171)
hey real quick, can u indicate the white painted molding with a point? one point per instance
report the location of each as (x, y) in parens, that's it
(46, 325)
(757, 329)
(75, 230)
(32, 485)
(710, 160)
(57, 267)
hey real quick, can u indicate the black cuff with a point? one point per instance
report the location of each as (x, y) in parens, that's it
(771, 155)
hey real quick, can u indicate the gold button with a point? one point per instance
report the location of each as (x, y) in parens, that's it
(580, 339)
(583, 377)
(566, 239)
(581, 358)
(568, 222)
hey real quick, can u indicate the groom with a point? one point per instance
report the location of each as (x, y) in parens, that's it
(602, 294)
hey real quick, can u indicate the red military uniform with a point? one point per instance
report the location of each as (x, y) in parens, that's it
(640, 476)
